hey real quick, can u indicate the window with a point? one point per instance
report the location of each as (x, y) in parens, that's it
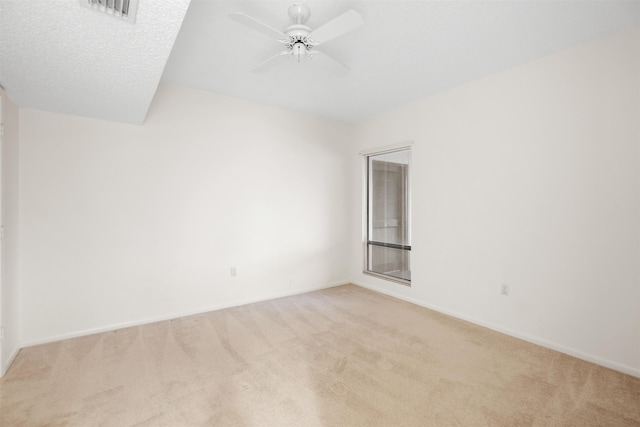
(388, 214)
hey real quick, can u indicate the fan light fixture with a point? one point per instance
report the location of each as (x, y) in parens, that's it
(300, 40)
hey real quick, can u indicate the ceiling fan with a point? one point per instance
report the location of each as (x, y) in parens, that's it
(300, 41)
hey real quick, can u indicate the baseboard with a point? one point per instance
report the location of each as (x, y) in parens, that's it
(525, 337)
(5, 367)
(172, 316)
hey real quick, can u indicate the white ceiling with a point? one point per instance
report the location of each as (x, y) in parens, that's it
(64, 59)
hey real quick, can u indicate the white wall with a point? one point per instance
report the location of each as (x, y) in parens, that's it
(125, 224)
(10, 286)
(531, 178)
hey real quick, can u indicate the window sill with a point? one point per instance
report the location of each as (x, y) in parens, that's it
(389, 278)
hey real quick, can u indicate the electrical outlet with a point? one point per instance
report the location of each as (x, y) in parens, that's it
(234, 272)
(504, 290)
(2, 333)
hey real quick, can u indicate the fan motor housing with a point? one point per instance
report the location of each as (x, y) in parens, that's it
(298, 30)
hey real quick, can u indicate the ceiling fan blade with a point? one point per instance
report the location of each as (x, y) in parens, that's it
(348, 21)
(272, 62)
(330, 64)
(256, 25)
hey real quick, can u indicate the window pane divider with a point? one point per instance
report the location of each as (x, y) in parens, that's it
(390, 245)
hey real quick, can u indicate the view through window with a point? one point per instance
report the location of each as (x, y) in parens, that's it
(388, 243)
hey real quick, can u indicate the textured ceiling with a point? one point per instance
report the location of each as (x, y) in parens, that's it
(60, 57)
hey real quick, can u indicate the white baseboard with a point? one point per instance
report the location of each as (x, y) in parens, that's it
(529, 338)
(5, 367)
(155, 319)
(525, 337)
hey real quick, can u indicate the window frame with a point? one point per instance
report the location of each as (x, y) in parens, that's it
(366, 226)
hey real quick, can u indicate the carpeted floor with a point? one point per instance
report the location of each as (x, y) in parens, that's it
(343, 356)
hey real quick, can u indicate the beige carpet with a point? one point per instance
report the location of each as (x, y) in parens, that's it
(338, 357)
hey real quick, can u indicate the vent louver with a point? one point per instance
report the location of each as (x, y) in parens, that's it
(123, 9)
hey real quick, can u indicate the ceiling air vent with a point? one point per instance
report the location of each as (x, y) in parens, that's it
(122, 9)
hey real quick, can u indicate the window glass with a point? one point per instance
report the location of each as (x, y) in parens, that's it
(388, 245)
